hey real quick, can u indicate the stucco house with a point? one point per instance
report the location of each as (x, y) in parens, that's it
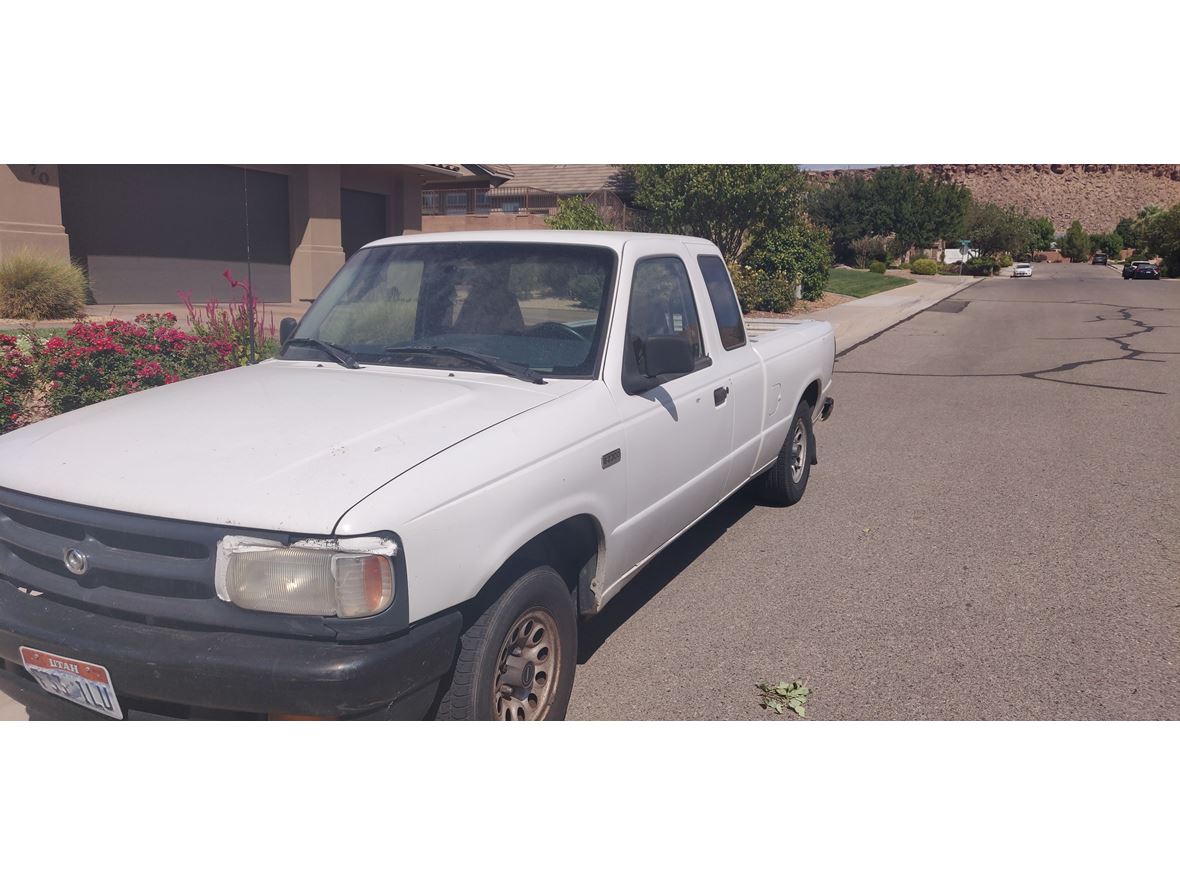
(145, 232)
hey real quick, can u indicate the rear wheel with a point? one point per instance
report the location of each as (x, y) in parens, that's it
(786, 481)
(516, 661)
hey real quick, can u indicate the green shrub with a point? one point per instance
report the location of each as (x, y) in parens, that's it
(577, 213)
(1005, 260)
(924, 266)
(801, 252)
(877, 267)
(35, 287)
(869, 248)
(982, 266)
(759, 290)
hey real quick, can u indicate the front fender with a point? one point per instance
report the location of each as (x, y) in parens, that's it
(462, 514)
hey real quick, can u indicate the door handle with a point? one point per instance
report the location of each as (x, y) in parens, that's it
(720, 395)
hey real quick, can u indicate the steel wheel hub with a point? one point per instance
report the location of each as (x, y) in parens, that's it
(798, 452)
(530, 660)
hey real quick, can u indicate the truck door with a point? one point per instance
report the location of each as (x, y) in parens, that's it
(677, 435)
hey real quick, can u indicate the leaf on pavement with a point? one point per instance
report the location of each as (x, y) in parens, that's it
(794, 694)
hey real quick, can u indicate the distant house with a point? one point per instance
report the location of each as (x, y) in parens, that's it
(953, 256)
(519, 196)
(568, 179)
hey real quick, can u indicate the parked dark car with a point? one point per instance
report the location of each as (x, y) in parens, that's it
(1130, 267)
(1099, 258)
(1145, 271)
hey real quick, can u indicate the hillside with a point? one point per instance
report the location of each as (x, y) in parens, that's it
(1096, 194)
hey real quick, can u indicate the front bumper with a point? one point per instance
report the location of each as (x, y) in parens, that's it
(166, 672)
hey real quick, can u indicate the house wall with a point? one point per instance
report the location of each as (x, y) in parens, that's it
(30, 211)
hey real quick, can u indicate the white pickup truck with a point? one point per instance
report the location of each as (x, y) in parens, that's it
(469, 441)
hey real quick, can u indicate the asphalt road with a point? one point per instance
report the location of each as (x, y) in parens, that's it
(992, 532)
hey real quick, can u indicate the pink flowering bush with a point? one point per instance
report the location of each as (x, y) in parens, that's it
(92, 362)
(231, 323)
(16, 383)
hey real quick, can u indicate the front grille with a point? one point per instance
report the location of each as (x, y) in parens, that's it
(148, 569)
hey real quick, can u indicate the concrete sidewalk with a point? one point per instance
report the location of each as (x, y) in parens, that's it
(859, 320)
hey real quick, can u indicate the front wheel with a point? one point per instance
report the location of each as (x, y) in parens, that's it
(516, 661)
(786, 481)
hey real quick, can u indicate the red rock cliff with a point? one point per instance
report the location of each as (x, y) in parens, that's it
(1096, 194)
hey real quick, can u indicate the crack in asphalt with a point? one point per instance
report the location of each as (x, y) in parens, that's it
(1130, 352)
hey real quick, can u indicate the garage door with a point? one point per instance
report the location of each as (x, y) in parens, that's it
(146, 232)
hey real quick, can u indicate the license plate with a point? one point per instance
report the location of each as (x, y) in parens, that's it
(87, 685)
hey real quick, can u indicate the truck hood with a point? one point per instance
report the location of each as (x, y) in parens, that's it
(280, 445)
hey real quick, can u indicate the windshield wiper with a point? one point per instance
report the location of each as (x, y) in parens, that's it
(342, 356)
(495, 364)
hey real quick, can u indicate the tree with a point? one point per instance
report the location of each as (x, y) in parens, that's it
(1163, 238)
(576, 213)
(1111, 243)
(730, 204)
(994, 230)
(1141, 224)
(849, 208)
(1126, 229)
(915, 209)
(754, 213)
(1075, 245)
(1043, 233)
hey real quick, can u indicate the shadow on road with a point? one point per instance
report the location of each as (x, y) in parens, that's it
(661, 571)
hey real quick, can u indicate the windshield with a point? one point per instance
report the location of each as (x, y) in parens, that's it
(541, 306)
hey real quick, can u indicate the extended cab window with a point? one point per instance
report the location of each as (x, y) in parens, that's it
(724, 301)
(661, 304)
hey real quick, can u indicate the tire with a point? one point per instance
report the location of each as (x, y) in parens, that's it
(517, 660)
(786, 481)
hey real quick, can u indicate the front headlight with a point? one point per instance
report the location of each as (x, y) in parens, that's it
(346, 577)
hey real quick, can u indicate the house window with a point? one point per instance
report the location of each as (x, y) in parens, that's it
(456, 202)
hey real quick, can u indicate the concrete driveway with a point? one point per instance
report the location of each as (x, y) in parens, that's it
(993, 531)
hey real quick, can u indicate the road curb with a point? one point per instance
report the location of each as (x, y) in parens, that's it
(876, 335)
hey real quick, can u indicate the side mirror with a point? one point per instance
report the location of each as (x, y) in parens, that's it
(665, 357)
(668, 355)
(287, 329)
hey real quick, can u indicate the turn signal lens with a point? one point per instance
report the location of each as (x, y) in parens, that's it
(364, 585)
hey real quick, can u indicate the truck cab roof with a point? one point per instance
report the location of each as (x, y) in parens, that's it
(613, 239)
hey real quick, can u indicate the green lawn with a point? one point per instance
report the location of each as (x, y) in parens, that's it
(859, 283)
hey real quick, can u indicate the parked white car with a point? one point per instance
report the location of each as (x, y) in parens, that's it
(470, 441)
(1022, 270)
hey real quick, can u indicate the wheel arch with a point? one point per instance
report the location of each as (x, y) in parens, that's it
(576, 549)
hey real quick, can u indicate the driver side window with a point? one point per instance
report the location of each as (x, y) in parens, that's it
(661, 304)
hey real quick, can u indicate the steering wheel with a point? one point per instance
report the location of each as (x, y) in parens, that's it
(543, 330)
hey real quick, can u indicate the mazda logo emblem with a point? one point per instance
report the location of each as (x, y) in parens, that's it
(76, 561)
